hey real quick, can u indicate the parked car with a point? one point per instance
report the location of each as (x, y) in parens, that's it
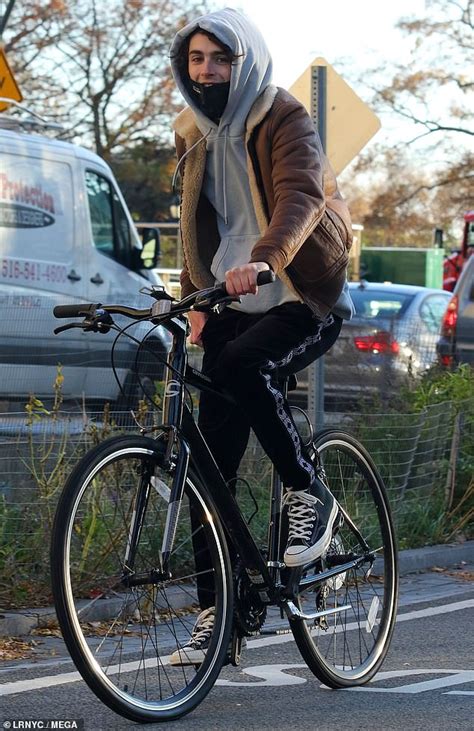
(391, 337)
(456, 344)
(66, 236)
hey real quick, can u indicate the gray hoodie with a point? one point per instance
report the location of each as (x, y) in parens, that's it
(226, 182)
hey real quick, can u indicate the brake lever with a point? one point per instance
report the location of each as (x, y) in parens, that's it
(69, 325)
(220, 306)
(207, 304)
(101, 323)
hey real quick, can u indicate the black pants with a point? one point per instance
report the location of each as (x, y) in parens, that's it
(249, 354)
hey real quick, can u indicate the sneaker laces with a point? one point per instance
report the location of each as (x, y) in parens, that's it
(301, 513)
(202, 630)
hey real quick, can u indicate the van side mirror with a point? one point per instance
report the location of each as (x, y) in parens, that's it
(151, 251)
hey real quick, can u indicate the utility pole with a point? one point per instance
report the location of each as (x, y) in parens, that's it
(345, 124)
(316, 369)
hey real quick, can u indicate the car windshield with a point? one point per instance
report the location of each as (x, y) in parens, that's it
(372, 303)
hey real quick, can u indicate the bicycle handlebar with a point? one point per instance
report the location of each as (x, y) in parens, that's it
(82, 310)
(89, 309)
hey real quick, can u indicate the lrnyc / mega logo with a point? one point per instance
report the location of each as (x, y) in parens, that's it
(23, 205)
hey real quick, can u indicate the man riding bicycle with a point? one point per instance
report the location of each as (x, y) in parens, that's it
(257, 193)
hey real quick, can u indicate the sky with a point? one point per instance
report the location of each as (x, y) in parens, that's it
(359, 33)
(351, 36)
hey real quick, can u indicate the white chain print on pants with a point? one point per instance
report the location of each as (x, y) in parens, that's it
(286, 420)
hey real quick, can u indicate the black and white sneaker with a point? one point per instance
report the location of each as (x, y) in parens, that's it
(311, 517)
(194, 652)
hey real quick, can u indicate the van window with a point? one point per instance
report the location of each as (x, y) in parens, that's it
(110, 226)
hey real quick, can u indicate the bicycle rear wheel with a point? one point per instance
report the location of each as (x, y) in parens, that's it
(347, 647)
(122, 626)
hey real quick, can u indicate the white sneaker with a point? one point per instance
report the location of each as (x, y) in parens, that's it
(194, 652)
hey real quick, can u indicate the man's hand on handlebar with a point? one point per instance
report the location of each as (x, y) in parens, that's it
(243, 280)
(238, 281)
(97, 317)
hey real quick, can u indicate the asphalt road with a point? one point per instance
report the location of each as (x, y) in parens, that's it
(427, 681)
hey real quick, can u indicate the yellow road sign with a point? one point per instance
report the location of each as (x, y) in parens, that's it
(8, 86)
(350, 123)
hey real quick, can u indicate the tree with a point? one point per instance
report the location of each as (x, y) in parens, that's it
(144, 173)
(401, 191)
(442, 46)
(101, 68)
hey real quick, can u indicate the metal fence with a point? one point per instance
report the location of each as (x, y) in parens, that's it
(420, 456)
(362, 362)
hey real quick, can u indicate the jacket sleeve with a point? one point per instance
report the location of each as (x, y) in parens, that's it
(297, 161)
(187, 287)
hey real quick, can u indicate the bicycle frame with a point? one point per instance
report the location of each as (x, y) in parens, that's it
(185, 439)
(134, 483)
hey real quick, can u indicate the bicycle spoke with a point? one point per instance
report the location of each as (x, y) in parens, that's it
(123, 624)
(346, 648)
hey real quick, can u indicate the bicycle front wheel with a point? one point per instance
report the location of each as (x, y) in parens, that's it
(120, 619)
(347, 647)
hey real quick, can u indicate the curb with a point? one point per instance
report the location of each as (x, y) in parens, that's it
(445, 556)
(24, 621)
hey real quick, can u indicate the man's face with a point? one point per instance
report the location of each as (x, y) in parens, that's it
(207, 62)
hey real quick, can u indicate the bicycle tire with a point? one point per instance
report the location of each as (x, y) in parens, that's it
(347, 648)
(121, 638)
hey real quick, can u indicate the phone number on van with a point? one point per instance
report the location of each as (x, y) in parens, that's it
(32, 271)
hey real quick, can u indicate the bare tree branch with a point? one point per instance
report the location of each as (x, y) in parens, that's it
(433, 186)
(96, 54)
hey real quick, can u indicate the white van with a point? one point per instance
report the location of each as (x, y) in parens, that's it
(66, 236)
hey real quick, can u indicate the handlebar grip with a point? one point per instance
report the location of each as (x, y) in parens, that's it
(266, 277)
(65, 311)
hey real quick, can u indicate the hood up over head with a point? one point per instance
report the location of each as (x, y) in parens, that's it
(251, 69)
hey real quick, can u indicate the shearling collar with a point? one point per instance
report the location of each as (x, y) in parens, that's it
(185, 126)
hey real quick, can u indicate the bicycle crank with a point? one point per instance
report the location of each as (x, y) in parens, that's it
(293, 612)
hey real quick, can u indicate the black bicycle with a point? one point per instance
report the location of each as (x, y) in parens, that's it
(138, 514)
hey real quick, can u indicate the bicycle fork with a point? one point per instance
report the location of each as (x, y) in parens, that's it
(173, 496)
(174, 505)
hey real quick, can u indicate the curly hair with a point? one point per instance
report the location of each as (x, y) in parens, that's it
(183, 52)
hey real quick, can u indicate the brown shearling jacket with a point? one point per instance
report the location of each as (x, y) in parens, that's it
(304, 223)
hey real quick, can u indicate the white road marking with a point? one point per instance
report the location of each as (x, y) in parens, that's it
(47, 681)
(455, 677)
(408, 616)
(272, 675)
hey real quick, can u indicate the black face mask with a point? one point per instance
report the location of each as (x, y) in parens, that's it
(210, 98)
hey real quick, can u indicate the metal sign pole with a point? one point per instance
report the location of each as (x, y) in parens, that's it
(5, 16)
(316, 369)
